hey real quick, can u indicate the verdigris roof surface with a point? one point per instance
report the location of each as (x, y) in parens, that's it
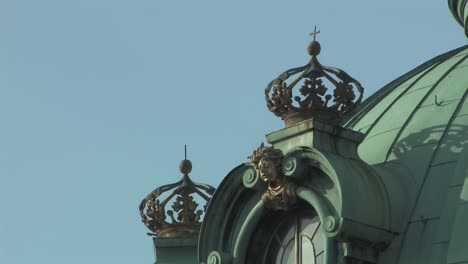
(420, 121)
(429, 101)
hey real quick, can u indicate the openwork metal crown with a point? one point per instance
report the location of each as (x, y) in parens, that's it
(184, 217)
(325, 93)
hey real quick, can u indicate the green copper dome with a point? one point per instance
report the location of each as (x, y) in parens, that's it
(420, 122)
(422, 111)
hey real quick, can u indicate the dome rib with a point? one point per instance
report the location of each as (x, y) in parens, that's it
(400, 95)
(375, 98)
(418, 106)
(420, 122)
(434, 153)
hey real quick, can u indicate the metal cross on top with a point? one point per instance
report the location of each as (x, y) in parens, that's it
(315, 32)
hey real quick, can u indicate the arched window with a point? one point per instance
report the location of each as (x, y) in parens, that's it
(288, 237)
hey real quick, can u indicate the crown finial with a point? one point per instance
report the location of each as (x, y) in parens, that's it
(325, 93)
(314, 33)
(314, 47)
(186, 165)
(184, 217)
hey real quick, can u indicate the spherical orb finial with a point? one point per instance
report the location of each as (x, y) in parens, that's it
(314, 48)
(185, 166)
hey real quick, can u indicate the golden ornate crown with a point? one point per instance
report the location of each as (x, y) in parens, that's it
(315, 100)
(185, 216)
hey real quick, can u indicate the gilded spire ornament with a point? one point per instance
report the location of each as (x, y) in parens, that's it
(183, 219)
(324, 93)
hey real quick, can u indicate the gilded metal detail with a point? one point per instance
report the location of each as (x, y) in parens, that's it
(280, 193)
(183, 219)
(315, 98)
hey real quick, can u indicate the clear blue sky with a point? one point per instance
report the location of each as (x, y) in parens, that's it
(98, 98)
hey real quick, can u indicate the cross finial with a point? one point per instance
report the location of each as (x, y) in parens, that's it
(315, 32)
(185, 150)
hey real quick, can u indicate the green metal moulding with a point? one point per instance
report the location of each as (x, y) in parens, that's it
(230, 205)
(349, 197)
(354, 190)
(357, 202)
(180, 250)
